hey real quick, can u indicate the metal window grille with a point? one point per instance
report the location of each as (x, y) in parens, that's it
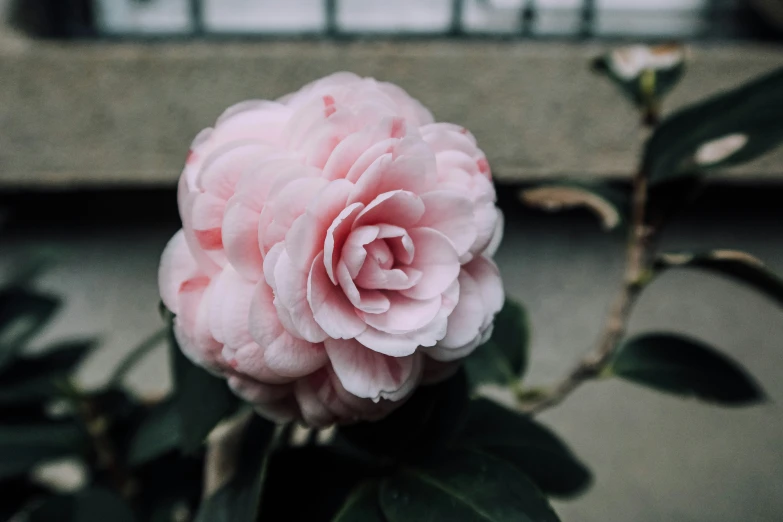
(651, 19)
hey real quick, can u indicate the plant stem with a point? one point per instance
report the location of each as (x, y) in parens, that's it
(635, 277)
(135, 355)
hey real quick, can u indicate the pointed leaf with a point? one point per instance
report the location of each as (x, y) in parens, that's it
(464, 486)
(36, 378)
(527, 445)
(608, 204)
(324, 476)
(735, 264)
(237, 500)
(22, 314)
(90, 505)
(503, 359)
(687, 367)
(23, 446)
(201, 399)
(361, 506)
(157, 434)
(421, 426)
(730, 128)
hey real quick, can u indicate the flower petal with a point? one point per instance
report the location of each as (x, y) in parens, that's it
(452, 215)
(176, 266)
(372, 375)
(436, 259)
(331, 308)
(292, 292)
(291, 357)
(398, 207)
(369, 301)
(335, 238)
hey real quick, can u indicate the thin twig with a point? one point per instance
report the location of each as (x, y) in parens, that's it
(135, 355)
(635, 277)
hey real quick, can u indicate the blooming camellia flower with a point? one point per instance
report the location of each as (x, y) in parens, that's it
(335, 250)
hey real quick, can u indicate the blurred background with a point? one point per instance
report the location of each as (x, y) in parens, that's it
(99, 100)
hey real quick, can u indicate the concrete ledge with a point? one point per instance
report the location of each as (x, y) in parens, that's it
(124, 113)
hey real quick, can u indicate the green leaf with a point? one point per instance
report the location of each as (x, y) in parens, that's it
(687, 367)
(90, 505)
(237, 501)
(22, 446)
(361, 506)
(503, 359)
(22, 314)
(730, 128)
(735, 264)
(157, 434)
(323, 475)
(36, 378)
(420, 427)
(464, 486)
(202, 400)
(607, 203)
(17, 492)
(527, 445)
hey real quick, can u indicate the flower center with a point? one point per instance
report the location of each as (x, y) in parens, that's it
(381, 253)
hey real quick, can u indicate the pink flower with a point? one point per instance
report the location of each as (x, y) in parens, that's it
(335, 251)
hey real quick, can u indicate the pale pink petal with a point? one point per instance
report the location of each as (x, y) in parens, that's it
(452, 215)
(436, 259)
(240, 240)
(291, 357)
(176, 266)
(249, 360)
(307, 235)
(400, 208)
(270, 262)
(258, 392)
(285, 206)
(222, 169)
(335, 238)
(372, 276)
(399, 242)
(411, 167)
(404, 314)
(487, 217)
(485, 273)
(291, 290)
(369, 301)
(314, 412)
(372, 375)
(371, 158)
(497, 236)
(353, 251)
(331, 308)
(466, 319)
(264, 324)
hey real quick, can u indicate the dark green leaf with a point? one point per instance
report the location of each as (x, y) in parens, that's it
(731, 263)
(421, 426)
(23, 446)
(324, 476)
(502, 360)
(22, 314)
(167, 485)
(90, 505)
(464, 486)
(16, 493)
(36, 378)
(237, 501)
(157, 434)
(361, 506)
(684, 366)
(607, 203)
(202, 400)
(730, 128)
(526, 444)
